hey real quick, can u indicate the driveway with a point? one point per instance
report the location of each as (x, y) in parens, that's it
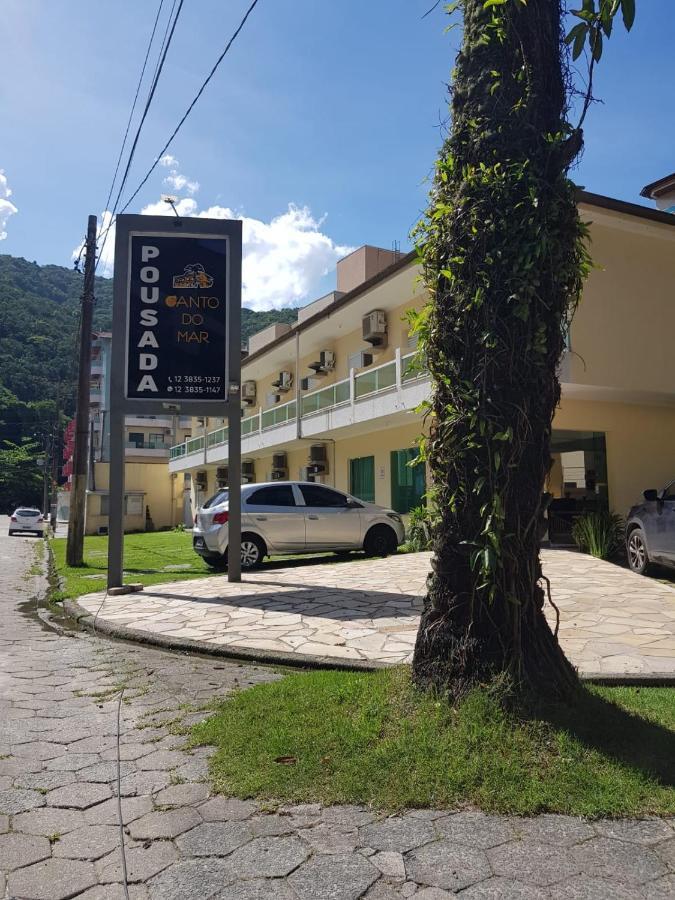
(366, 612)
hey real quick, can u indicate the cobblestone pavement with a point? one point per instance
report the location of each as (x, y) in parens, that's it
(613, 622)
(58, 832)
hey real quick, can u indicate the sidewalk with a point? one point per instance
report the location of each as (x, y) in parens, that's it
(365, 612)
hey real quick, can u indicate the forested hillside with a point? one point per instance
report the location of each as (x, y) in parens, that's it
(39, 308)
(39, 312)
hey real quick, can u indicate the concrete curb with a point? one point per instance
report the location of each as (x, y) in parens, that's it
(301, 660)
(189, 645)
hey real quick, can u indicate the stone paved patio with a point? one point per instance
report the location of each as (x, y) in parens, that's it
(367, 611)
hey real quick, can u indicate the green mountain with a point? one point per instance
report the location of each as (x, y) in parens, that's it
(39, 309)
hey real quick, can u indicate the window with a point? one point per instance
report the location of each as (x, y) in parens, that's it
(105, 505)
(217, 499)
(156, 440)
(362, 478)
(277, 495)
(133, 505)
(316, 495)
(408, 482)
(136, 438)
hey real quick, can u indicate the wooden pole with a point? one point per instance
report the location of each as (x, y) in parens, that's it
(78, 496)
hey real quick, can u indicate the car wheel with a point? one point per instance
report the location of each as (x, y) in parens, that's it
(215, 562)
(380, 541)
(636, 549)
(252, 552)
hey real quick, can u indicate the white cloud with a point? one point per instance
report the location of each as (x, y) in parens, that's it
(7, 208)
(175, 179)
(181, 182)
(284, 259)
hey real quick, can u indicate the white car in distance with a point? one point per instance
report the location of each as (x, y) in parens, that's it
(294, 517)
(27, 519)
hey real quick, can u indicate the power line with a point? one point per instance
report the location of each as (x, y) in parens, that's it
(192, 105)
(133, 105)
(166, 32)
(148, 103)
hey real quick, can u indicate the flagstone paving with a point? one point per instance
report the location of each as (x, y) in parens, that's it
(59, 835)
(612, 622)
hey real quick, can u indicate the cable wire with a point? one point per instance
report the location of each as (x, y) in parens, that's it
(133, 105)
(146, 109)
(192, 105)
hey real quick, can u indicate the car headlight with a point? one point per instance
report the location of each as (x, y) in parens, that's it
(395, 517)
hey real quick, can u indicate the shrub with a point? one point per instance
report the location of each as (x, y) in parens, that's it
(419, 529)
(599, 533)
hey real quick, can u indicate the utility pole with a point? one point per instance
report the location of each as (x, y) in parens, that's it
(78, 496)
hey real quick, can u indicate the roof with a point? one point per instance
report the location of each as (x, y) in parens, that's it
(585, 197)
(658, 187)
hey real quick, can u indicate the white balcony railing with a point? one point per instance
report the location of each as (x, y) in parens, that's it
(381, 379)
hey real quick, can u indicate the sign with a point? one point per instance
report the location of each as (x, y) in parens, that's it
(176, 344)
(176, 317)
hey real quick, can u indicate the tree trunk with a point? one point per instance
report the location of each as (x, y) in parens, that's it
(504, 257)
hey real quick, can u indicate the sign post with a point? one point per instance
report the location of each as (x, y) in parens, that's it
(176, 345)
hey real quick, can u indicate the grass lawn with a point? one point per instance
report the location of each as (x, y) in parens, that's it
(152, 558)
(146, 558)
(343, 737)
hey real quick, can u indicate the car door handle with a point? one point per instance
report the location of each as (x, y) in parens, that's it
(312, 517)
(261, 518)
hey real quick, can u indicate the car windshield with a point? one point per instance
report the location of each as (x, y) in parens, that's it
(28, 512)
(217, 499)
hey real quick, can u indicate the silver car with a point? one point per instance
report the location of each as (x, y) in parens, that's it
(650, 530)
(294, 517)
(26, 519)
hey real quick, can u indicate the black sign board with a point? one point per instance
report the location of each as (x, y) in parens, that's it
(176, 317)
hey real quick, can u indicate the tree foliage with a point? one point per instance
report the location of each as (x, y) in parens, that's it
(20, 479)
(504, 257)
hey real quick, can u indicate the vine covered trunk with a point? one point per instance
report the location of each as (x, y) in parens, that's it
(503, 257)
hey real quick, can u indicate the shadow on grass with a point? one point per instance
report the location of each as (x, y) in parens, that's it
(624, 736)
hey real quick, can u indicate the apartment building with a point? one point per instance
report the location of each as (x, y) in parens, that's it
(151, 496)
(334, 397)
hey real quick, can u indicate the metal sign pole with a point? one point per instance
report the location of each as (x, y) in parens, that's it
(233, 380)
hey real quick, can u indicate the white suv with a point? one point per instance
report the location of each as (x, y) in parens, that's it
(26, 519)
(294, 517)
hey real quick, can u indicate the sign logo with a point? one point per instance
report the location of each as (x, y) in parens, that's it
(194, 276)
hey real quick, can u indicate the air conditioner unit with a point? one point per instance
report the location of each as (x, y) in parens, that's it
(201, 480)
(325, 363)
(278, 475)
(248, 471)
(317, 469)
(306, 384)
(360, 360)
(272, 399)
(317, 453)
(374, 326)
(279, 461)
(248, 393)
(222, 476)
(284, 382)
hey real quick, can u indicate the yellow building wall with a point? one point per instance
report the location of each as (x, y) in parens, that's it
(163, 496)
(621, 333)
(640, 443)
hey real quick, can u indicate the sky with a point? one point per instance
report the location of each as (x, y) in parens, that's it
(319, 129)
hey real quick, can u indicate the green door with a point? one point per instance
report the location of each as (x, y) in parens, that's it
(408, 483)
(362, 478)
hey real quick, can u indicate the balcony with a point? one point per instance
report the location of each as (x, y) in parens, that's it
(377, 393)
(155, 449)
